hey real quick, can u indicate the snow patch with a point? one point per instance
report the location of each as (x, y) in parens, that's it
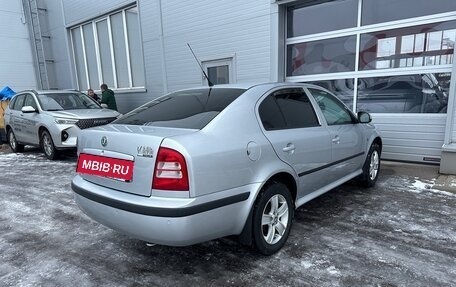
(418, 186)
(333, 270)
(306, 264)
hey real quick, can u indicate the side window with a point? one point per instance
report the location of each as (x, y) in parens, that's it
(12, 102)
(19, 103)
(30, 101)
(271, 116)
(287, 109)
(333, 110)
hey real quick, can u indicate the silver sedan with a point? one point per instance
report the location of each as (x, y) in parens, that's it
(204, 163)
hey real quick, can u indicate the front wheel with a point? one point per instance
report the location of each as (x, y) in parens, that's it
(15, 146)
(272, 218)
(371, 167)
(48, 145)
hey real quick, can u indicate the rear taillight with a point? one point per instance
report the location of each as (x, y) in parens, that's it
(170, 171)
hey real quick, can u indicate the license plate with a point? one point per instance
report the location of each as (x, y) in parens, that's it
(105, 166)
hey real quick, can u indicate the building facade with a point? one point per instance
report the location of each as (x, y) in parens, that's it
(16, 60)
(392, 58)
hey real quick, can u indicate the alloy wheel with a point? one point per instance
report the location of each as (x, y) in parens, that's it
(275, 219)
(373, 166)
(47, 144)
(12, 141)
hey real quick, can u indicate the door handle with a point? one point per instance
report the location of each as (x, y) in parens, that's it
(336, 140)
(289, 148)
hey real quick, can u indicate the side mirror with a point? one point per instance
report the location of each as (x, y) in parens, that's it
(364, 117)
(104, 106)
(28, 109)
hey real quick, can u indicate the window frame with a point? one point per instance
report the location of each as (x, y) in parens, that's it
(219, 62)
(16, 101)
(338, 103)
(286, 127)
(98, 66)
(357, 31)
(33, 100)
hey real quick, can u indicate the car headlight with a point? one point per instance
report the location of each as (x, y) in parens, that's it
(64, 121)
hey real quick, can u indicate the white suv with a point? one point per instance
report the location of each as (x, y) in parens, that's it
(52, 119)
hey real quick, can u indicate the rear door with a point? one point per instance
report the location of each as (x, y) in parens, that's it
(293, 129)
(346, 134)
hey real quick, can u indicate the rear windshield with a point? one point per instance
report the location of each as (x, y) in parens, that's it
(66, 101)
(191, 109)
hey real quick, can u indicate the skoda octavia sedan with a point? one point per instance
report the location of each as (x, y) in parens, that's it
(204, 163)
(52, 119)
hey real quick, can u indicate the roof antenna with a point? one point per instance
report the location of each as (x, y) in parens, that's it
(204, 73)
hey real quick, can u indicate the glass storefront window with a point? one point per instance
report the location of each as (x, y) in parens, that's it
(375, 11)
(424, 45)
(421, 93)
(311, 19)
(323, 56)
(78, 51)
(342, 88)
(120, 66)
(90, 54)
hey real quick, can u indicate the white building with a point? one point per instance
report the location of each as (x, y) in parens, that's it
(393, 58)
(16, 62)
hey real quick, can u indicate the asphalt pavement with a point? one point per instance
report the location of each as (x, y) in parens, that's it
(402, 232)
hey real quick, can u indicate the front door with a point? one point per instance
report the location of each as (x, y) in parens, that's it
(30, 121)
(346, 134)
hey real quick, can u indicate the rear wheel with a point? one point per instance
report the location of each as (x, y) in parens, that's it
(272, 218)
(15, 146)
(48, 145)
(371, 167)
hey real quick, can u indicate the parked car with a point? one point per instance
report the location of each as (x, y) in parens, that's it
(52, 119)
(209, 162)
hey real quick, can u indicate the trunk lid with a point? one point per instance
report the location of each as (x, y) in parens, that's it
(139, 144)
(85, 113)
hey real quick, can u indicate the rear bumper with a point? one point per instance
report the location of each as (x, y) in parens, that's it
(166, 221)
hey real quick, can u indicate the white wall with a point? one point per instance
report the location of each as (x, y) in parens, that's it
(56, 48)
(16, 60)
(216, 29)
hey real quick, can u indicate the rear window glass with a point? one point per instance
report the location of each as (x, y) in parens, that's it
(192, 109)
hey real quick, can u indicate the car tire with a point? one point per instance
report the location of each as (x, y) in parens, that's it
(14, 145)
(274, 204)
(47, 144)
(371, 167)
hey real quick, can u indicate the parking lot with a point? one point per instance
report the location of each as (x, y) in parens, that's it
(400, 233)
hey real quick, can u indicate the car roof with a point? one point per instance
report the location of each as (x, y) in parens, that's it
(56, 91)
(41, 92)
(251, 85)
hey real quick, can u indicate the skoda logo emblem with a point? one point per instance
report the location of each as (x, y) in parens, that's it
(104, 141)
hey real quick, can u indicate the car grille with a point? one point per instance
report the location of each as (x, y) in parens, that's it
(88, 123)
